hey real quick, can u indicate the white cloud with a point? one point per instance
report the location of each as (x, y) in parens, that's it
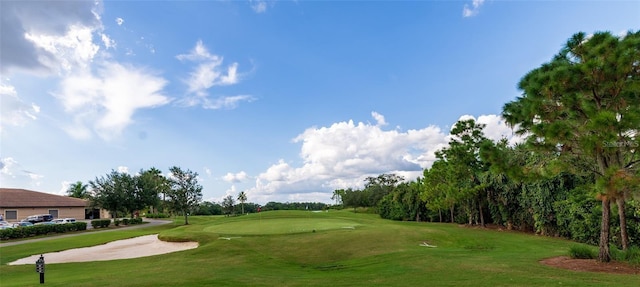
(474, 9)
(13, 174)
(258, 6)
(15, 112)
(107, 101)
(208, 73)
(231, 102)
(235, 177)
(100, 95)
(123, 169)
(23, 22)
(379, 119)
(108, 42)
(64, 186)
(71, 51)
(345, 153)
(496, 128)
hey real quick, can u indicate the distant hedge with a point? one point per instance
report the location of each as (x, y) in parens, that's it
(156, 215)
(40, 229)
(100, 223)
(127, 221)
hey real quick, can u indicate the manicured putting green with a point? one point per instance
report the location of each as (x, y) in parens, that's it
(281, 226)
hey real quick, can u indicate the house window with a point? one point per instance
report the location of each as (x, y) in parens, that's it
(10, 215)
(53, 212)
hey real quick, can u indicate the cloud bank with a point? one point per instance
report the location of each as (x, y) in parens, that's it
(343, 154)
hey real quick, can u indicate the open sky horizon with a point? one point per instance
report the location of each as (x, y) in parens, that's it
(285, 100)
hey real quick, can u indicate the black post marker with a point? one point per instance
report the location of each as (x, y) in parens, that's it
(40, 268)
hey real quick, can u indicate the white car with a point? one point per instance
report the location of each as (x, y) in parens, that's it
(64, 220)
(5, 225)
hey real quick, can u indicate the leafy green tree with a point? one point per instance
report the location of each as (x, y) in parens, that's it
(337, 196)
(463, 153)
(111, 192)
(355, 198)
(585, 103)
(79, 190)
(185, 193)
(149, 184)
(439, 193)
(208, 208)
(227, 205)
(375, 188)
(242, 198)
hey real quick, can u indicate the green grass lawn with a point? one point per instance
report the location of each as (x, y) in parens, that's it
(281, 248)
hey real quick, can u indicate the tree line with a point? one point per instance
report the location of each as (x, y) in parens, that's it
(576, 175)
(122, 193)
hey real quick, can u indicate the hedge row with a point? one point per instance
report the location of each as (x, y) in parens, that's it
(156, 215)
(40, 229)
(100, 223)
(127, 221)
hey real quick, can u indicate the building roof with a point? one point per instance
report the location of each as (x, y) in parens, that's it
(16, 198)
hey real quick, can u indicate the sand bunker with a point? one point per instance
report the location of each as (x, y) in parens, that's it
(122, 249)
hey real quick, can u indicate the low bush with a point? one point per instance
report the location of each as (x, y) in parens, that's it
(631, 255)
(125, 221)
(100, 223)
(582, 252)
(116, 222)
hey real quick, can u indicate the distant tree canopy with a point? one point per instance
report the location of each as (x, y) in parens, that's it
(272, 205)
(120, 192)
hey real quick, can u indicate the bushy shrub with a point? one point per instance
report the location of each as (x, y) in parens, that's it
(100, 223)
(125, 221)
(116, 222)
(582, 252)
(631, 255)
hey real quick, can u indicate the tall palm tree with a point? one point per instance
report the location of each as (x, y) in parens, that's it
(78, 190)
(242, 197)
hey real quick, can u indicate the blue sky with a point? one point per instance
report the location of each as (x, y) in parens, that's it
(285, 100)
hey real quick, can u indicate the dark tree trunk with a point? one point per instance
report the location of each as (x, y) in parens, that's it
(451, 210)
(623, 223)
(603, 254)
(440, 213)
(481, 215)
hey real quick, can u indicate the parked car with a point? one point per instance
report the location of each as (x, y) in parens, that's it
(46, 223)
(38, 218)
(22, 224)
(64, 220)
(5, 225)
